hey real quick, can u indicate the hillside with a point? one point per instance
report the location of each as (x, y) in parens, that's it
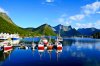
(88, 31)
(44, 30)
(66, 30)
(6, 17)
(6, 25)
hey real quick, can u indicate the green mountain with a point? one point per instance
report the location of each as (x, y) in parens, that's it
(6, 25)
(44, 29)
(6, 17)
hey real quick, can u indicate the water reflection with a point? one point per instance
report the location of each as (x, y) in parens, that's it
(4, 56)
(75, 52)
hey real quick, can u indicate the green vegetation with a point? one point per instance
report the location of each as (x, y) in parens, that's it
(7, 26)
(5, 17)
(44, 30)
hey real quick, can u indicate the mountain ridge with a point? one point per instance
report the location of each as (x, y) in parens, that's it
(8, 26)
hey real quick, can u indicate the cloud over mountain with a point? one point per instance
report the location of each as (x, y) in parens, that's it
(3, 11)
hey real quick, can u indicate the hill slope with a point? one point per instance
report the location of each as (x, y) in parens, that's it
(88, 31)
(66, 30)
(6, 17)
(6, 25)
(44, 30)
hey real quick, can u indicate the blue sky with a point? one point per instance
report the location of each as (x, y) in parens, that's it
(33, 13)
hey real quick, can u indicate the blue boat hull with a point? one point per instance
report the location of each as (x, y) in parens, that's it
(15, 38)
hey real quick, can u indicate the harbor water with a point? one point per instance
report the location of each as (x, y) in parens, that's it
(75, 52)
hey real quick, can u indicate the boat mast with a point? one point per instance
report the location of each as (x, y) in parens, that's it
(59, 31)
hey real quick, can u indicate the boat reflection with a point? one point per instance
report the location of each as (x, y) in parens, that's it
(4, 56)
(58, 53)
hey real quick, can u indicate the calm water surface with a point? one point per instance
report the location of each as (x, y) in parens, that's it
(75, 52)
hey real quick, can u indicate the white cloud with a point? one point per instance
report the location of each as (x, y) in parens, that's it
(64, 15)
(49, 1)
(3, 11)
(68, 22)
(61, 20)
(88, 25)
(97, 24)
(91, 8)
(98, 12)
(77, 17)
(86, 10)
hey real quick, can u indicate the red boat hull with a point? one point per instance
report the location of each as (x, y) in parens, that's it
(59, 48)
(40, 48)
(50, 47)
(7, 48)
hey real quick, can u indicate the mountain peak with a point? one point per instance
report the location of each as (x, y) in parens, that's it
(45, 24)
(44, 29)
(6, 17)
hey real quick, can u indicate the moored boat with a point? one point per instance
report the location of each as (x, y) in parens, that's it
(3, 36)
(50, 45)
(41, 46)
(15, 38)
(33, 45)
(45, 41)
(7, 46)
(60, 38)
(58, 45)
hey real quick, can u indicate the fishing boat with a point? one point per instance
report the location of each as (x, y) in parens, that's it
(58, 45)
(45, 41)
(33, 45)
(15, 38)
(50, 45)
(7, 46)
(41, 46)
(3, 36)
(6, 36)
(60, 38)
